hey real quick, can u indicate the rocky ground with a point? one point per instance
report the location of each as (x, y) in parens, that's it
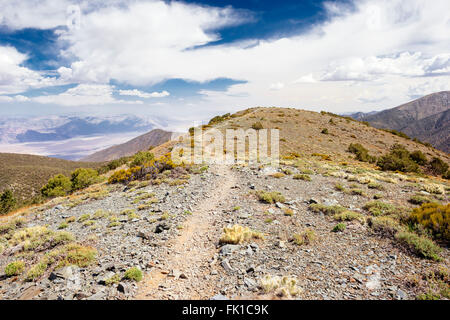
(173, 237)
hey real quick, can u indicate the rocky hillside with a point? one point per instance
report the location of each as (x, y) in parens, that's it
(321, 226)
(143, 142)
(426, 118)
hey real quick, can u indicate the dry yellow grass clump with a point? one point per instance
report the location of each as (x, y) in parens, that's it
(238, 234)
(281, 286)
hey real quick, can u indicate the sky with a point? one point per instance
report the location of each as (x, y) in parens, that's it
(196, 59)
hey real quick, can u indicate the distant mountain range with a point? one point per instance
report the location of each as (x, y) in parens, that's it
(71, 137)
(153, 138)
(427, 119)
(83, 127)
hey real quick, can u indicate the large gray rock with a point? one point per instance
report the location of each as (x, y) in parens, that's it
(229, 249)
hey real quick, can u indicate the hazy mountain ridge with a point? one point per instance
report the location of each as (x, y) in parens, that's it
(143, 142)
(71, 137)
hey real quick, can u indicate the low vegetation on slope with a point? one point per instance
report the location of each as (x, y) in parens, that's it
(24, 175)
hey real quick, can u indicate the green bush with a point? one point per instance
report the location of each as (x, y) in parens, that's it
(133, 274)
(7, 201)
(57, 186)
(324, 131)
(419, 199)
(302, 177)
(398, 160)
(270, 197)
(219, 119)
(257, 126)
(339, 227)
(437, 166)
(14, 268)
(379, 208)
(446, 175)
(83, 177)
(434, 217)
(418, 157)
(362, 154)
(141, 157)
(422, 246)
(113, 164)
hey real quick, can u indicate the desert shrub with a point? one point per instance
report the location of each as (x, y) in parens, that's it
(422, 246)
(270, 197)
(14, 268)
(324, 131)
(36, 271)
(375, 185)
(278, 175)
(334, 209)
(361, 153)
(57, 186)
(120, 176)
(257, 126)
(379, 208)
(434, 217)
(349, 216)
(238, 234)
(281, 286)
(134, 274)
(339, 187)
(219, 119)
(304, 177)
(446, 175)
(63, 225)
(39, 237)
(113, 164)
(433, 188)
(322, 156)
(418, 157)
(339, 227)
(141, 157)
(438, 166)
(398, 160)
(115, 279)
(384, 225)
(419, 199)
(288, 212)
(83, 177)
(7, 201)
(305, 237)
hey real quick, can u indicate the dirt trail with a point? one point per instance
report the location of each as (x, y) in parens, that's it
(191, 252)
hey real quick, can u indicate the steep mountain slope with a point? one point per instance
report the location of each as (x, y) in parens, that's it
(301, 132)
(25, 174)
(425, 118)
(143, 142)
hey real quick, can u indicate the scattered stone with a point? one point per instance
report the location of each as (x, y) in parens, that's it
(219, 297)
(124, 288)
(143, 235)
(229, 249)
(401, 295)
(161, 227)
(226, 265)
(250, 283)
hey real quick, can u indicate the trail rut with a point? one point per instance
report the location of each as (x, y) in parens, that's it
(190, 253)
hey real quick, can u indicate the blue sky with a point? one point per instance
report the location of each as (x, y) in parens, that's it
(194, 59)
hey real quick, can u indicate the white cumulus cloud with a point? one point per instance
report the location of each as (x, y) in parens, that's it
(141, 94)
